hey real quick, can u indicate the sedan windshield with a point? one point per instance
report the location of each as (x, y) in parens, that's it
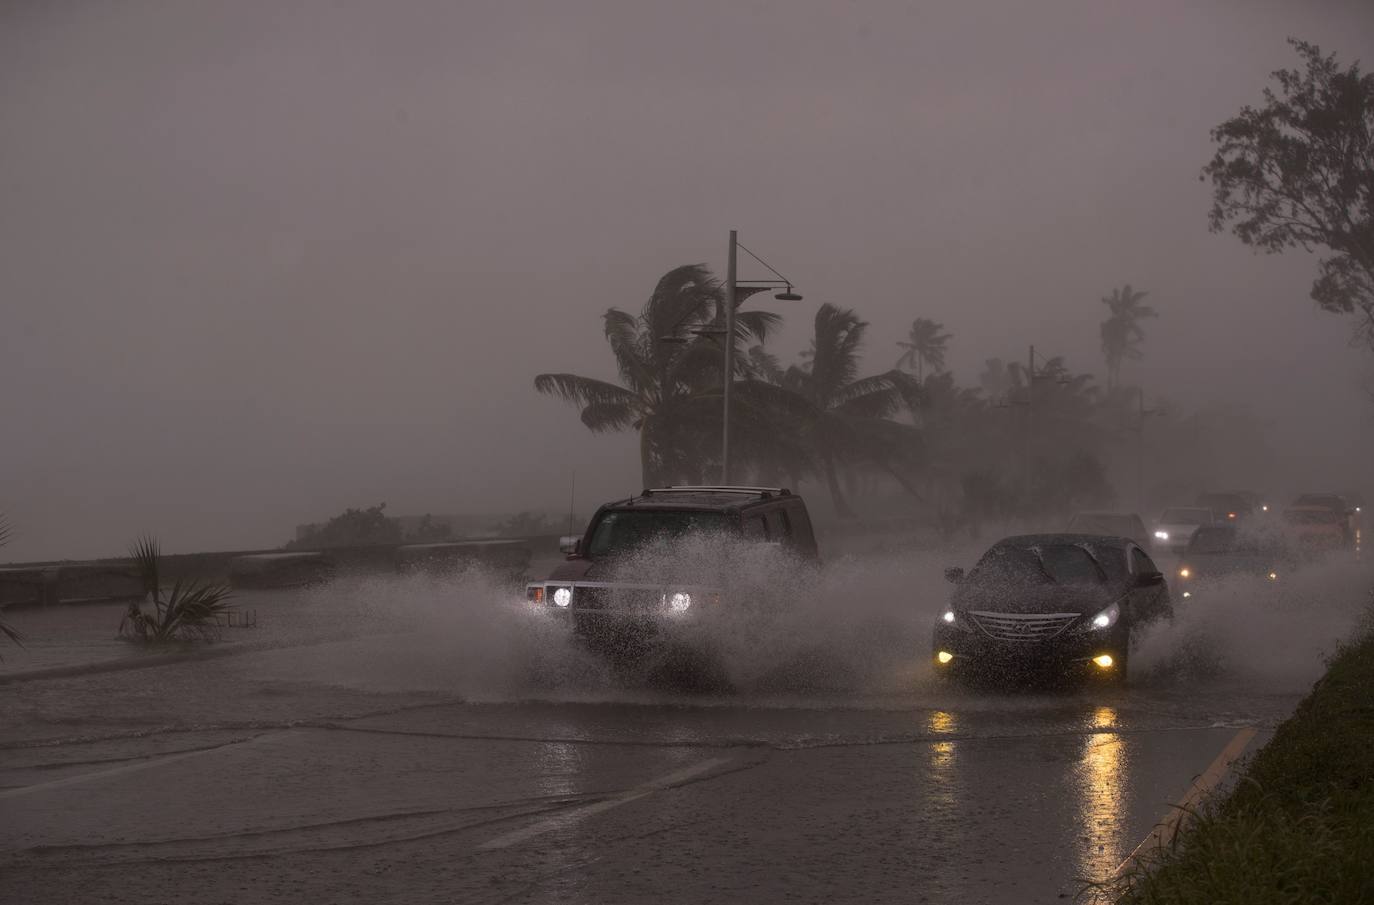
(620, 533)
(1052, 563)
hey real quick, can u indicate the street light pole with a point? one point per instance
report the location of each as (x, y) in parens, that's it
(729, 375)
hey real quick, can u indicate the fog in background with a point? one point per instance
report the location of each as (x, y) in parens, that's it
(263, 261)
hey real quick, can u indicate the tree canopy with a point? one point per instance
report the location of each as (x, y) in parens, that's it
(1298, 172)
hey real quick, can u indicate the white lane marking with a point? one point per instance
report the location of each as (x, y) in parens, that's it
(1162, 836)
(568, 818)
(117, 771)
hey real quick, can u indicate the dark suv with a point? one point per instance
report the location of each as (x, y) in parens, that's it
(637, 574)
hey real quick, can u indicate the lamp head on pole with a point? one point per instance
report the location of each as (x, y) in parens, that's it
(789, 295)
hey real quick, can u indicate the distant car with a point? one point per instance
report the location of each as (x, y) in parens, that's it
(1110, 524)
(1227, 507)
(1176, 526)
(1066, 602)
(622, 603)
(1343, 513)
(1228, 551)
(1316, 528)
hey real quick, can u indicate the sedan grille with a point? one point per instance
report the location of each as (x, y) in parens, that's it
(1022, 626)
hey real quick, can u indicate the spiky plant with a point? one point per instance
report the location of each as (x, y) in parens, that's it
(190, 611)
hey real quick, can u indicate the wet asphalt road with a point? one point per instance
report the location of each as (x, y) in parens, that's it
(327, 763)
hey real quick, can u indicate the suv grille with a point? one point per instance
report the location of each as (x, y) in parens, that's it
(627, 600)
(1022, 626)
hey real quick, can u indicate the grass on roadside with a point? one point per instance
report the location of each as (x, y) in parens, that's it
(1299, 826)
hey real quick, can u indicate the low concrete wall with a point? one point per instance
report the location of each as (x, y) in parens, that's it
(68, 583)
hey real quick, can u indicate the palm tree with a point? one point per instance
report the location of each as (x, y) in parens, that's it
(1121, 331)
(669, 392)
(924, 345)
(846, 418)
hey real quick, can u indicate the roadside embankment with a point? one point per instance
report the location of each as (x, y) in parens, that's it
(1299, 825)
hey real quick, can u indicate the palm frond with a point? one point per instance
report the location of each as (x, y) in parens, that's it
(582, 391)
(146, 554)
(628, 347)
(605, 417)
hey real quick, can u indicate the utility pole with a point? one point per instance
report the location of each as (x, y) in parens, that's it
(729, 375)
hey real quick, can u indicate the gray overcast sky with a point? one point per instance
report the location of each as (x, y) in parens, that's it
(260, 261)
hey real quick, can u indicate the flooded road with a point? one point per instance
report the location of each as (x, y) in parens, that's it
(389, 741)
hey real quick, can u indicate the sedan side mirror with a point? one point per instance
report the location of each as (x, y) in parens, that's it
(954, 575)
(570, 544)
(1149, 579)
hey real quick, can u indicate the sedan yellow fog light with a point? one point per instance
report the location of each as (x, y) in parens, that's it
(1104, 660)
(944, 656)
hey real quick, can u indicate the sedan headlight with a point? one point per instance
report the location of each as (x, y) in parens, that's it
(562, 597)
(1161, 535)
(1105, 619)
(679, 601)
(949, 617)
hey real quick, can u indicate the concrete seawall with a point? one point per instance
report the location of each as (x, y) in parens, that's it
(46, 583)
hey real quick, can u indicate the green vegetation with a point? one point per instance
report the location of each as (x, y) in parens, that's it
(1299, 827)
(354, 528)
(1298, 172)
(191, 611)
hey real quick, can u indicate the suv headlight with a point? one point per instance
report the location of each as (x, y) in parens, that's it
(679, 601)
(1105, 619)
(562, 597)
(1161, 535)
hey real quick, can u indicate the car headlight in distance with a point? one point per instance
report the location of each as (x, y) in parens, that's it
(1107, 618)
(1161, 535)
(1187, 594)
(679, 601)
(1185, 572)
(1273, 576)
(562, 597)
(949, 617)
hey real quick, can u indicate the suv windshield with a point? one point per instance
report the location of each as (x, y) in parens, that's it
(625, 531)
(1058, 563)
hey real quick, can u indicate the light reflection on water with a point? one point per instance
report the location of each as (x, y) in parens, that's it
(1102, 782)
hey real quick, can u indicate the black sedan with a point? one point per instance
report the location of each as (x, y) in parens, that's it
(1061, 601)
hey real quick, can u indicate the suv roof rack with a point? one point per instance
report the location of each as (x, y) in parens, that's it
(763, 492)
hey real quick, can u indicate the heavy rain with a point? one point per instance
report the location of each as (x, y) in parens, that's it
(729, 452)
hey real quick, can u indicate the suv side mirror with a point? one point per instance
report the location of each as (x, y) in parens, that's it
(954, 575)
(570, 544)
(1149, 579)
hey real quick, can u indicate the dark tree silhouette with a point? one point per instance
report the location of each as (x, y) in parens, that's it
(925, 344)
(1121, 331)
(669, 391)
(1298, 172)
(847, 418)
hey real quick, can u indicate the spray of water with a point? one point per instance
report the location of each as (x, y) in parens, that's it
(1267, 636)
(855, 629)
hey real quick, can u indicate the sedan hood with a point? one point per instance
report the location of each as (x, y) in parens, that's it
(1084, 599)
